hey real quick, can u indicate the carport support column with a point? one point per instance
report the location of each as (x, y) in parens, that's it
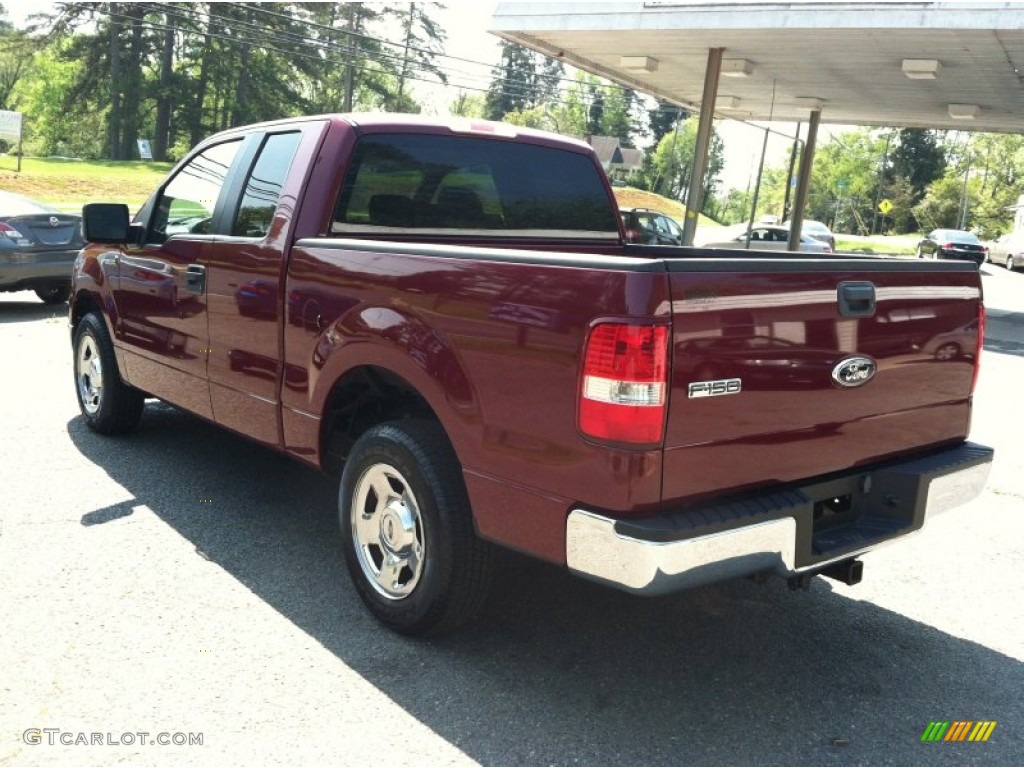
(796, 218)
(694, 197)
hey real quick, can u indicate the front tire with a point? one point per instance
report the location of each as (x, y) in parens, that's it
(108, 405)
(407, 530)
(1009, 262)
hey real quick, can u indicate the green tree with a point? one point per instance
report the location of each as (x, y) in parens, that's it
(522, 79)
(16, 49)
(618, 118)
(983, 177)
(918, 157)
(423, 39)
(733, 207)
(52, 125)
(468, 105)
(663, 118)
(672, 162)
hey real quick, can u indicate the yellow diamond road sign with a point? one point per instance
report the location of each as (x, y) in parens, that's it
(885, 206)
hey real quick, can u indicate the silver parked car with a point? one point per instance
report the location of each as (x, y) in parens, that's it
(774, 237)
(818, 231)
(1008, 250)
(38, 246)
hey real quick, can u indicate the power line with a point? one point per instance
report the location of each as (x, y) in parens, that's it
(193, 14)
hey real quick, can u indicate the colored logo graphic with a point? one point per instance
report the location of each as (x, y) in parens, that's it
(958, 730)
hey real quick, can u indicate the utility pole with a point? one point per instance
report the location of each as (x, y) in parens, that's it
(878, 188)
(789, 176)
(351, 67)
(963, 191)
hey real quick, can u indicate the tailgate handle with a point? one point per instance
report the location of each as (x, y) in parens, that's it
(857, 299)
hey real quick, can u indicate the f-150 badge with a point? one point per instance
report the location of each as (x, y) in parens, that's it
(715, 388)
(854, 371)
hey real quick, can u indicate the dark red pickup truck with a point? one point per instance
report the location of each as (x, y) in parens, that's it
(448, 315)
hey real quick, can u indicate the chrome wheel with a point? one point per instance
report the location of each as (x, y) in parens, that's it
(947, 352)
(89, 371)
(1009, 262)
(387, 531)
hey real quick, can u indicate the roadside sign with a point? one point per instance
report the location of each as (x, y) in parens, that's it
(885, 206)
(10, 125)
(10, 128)
(145, 150)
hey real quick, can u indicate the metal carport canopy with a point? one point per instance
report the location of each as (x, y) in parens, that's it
(837, 62)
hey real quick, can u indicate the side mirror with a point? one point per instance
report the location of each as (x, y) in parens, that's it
(105, 223)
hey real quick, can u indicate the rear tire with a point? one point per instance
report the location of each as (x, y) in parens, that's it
(108, 405)
(56, 294)
(1009, 262)
(407, 530)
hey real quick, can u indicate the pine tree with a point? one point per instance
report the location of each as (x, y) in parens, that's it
(919, 158)
(521, 80)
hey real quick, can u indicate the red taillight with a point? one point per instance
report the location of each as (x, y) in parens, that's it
(625, 377)
(979, 346)
(949, 246)
(6, 230)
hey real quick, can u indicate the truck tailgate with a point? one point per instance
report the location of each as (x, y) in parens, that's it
(755, 395)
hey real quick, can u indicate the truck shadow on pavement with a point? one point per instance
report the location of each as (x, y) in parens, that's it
(1004, 332)
(560, 671)
(30, 311)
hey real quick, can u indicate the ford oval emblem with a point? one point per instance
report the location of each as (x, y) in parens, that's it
(854, 371)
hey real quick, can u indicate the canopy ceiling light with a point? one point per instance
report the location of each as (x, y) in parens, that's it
(638, 63)
(810, 103)
(921, 69)
(964, 111)
(737, 68)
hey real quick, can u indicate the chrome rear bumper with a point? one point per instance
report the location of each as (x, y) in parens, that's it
(669, 559)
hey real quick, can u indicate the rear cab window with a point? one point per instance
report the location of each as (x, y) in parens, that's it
(264, 184)
(456, 185)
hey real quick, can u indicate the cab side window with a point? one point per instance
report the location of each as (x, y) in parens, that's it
(264, 185)
(187, 203)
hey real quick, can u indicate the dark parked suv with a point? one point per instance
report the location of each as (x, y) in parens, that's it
(952, 244)
(649, 227)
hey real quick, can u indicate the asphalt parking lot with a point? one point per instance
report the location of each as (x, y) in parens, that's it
(185, 582)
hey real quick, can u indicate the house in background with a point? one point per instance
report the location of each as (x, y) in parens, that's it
(618, 162)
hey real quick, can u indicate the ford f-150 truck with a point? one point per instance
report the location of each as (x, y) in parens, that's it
(448, 316)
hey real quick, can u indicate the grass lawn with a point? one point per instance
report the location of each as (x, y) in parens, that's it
(888, 245)
(66, 184)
